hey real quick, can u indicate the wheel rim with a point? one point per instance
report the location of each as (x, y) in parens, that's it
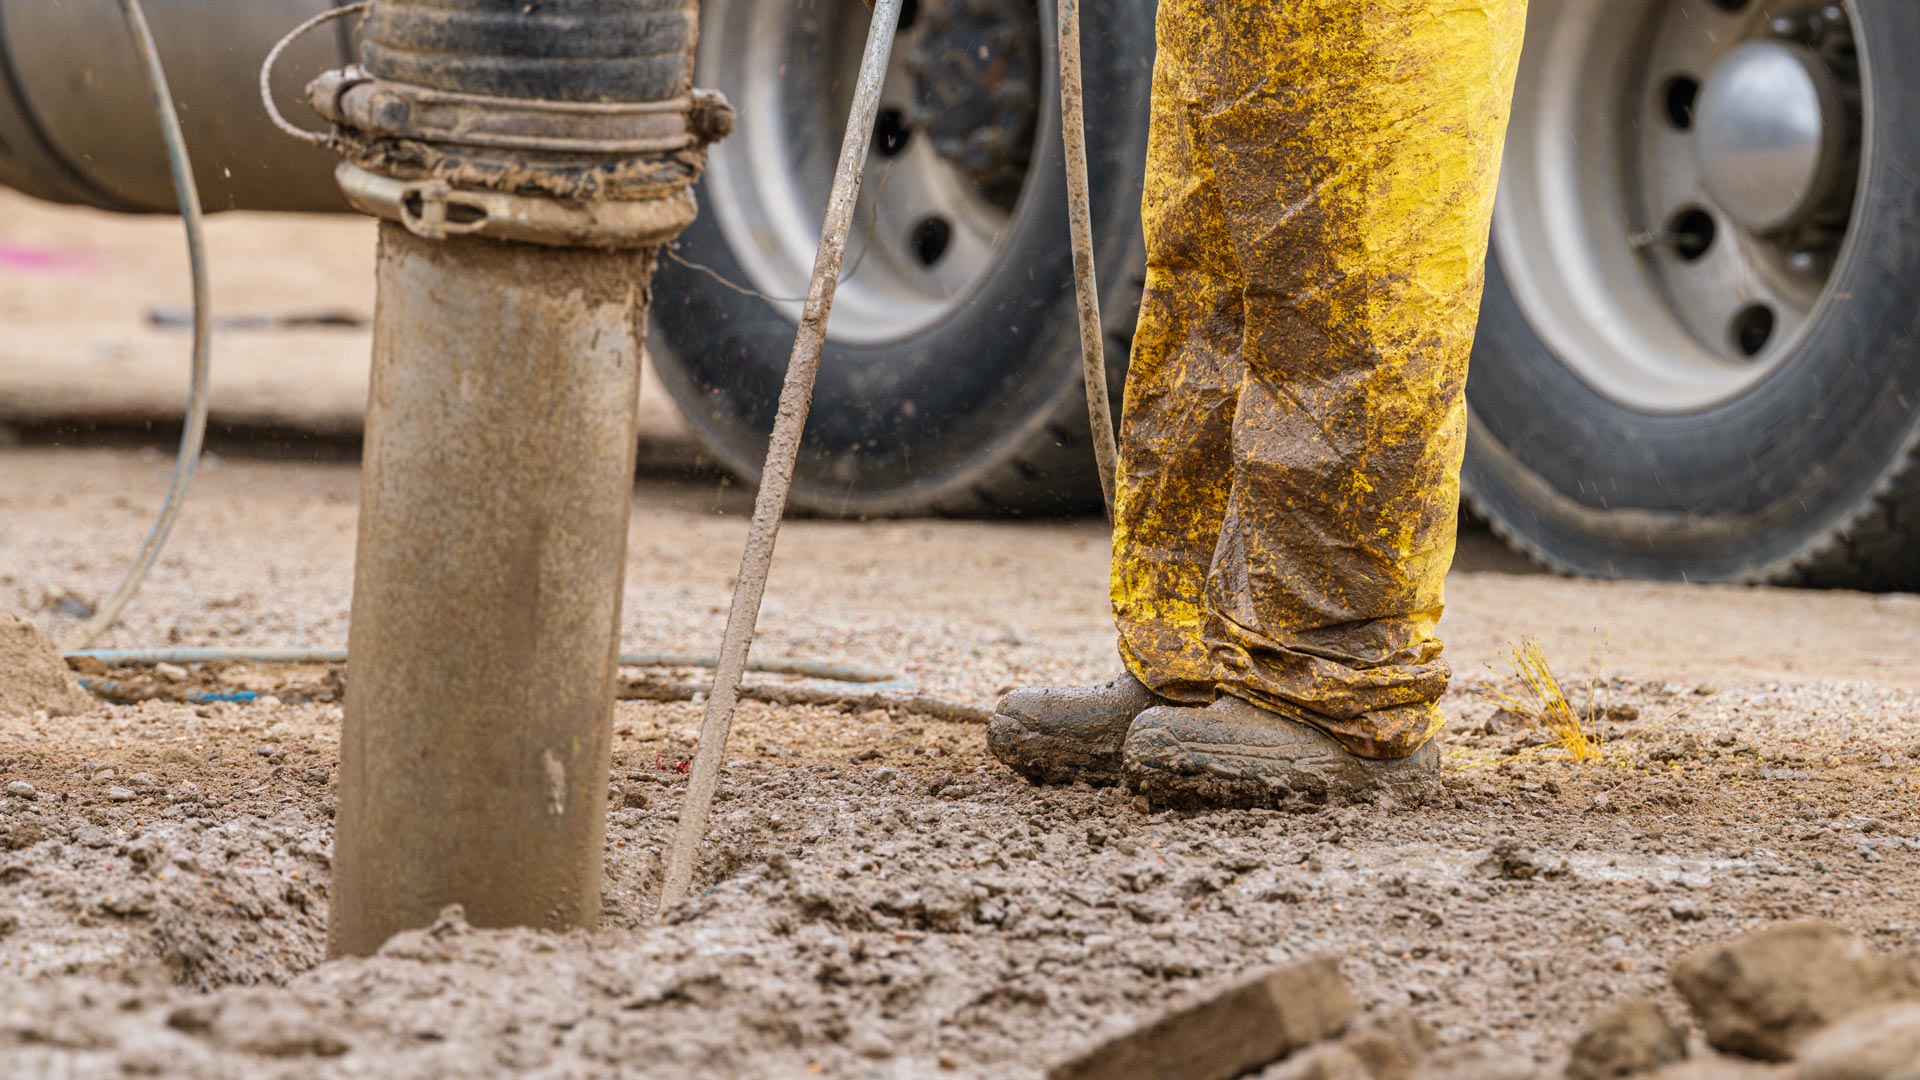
(948, 167)
(1679, 181)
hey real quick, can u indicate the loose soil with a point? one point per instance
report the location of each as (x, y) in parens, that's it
(878, 897)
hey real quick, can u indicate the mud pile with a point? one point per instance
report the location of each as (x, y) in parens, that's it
(33, 678)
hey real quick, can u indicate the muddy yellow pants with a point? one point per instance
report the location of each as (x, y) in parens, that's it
(1320, 181)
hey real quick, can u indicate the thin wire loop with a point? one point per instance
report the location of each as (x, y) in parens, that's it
(273, 56)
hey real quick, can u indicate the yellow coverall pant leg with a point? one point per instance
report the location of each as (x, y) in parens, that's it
(1320, 182)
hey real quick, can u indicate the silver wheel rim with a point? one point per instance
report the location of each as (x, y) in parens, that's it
(1671, 272)
(925, 236)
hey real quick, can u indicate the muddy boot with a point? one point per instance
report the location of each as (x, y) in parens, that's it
(1059, 734)
(1234, 754)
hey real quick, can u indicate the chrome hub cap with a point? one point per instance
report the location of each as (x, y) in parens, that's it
(1769, 134)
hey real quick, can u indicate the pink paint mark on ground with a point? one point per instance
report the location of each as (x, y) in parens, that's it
(43, 260)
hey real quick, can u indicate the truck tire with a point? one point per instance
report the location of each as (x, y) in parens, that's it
(1699, 354)
(951, 378)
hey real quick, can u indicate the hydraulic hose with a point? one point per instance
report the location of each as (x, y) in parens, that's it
(193, 436)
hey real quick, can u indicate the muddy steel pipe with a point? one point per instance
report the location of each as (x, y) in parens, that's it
(497, 141)
(498, 474)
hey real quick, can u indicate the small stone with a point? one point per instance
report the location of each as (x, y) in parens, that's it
(1506, 722)
(886, 774)
(1631, 1038)
(1510, 861)
(1881, 1043)
(170, 672)
(273, 1028)
(1392, 1047)
(1327, 1061)
(1228, 1033)
(9, 922)
(1471, 1062)
(1720, 1068)
(119, 794)
(1686, 911)
(1762, 994)
(22, 789)
(129, 905)
(92, 836)
(633, 799)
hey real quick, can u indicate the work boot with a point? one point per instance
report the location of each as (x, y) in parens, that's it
(1232, 753)
(1059, 734)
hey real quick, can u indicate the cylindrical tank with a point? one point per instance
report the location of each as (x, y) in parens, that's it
(76, 125)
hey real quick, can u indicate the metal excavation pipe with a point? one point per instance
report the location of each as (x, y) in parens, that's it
(500, 438)
(498, 473)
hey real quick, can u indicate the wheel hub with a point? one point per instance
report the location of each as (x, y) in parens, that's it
(1770, 135)
(976, 71)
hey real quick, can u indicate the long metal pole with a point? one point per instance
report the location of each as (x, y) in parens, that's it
(1093, 358)
(796, 396)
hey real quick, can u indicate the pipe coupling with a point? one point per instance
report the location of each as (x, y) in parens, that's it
(563, 173)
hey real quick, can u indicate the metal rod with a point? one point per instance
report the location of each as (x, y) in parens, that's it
(829, 670)
(1093, 360)
(796, 396)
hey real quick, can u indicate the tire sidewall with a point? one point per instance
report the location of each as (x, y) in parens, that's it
(900, 426)
(1747, 489)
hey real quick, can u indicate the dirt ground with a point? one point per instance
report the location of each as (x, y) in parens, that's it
(878, 897)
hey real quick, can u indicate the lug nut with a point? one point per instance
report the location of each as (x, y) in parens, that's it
(1798, 28)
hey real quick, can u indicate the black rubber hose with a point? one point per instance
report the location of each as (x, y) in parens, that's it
(561, 50)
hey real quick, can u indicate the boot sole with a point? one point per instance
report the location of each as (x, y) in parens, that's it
(1170, 772)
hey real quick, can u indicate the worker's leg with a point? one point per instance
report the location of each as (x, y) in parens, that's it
(1356, 145)
(1183, 383)
(1175, 459)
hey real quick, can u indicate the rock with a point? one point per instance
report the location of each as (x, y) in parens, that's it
(1474, 1063)
(119, 794)
(1722, 1068)
(33, 678)
(92, 836)
(1629, 1039)
(22, 834)
(1510, 861)
(170, 672)
(1684, 910)
(1392, 1047)
(1880, 1043)
(22, 789)
(273, 1027)
(1327, 1061)
(1762, 994)
(1227, 1033)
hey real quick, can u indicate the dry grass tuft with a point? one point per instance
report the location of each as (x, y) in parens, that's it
(1542, 703)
